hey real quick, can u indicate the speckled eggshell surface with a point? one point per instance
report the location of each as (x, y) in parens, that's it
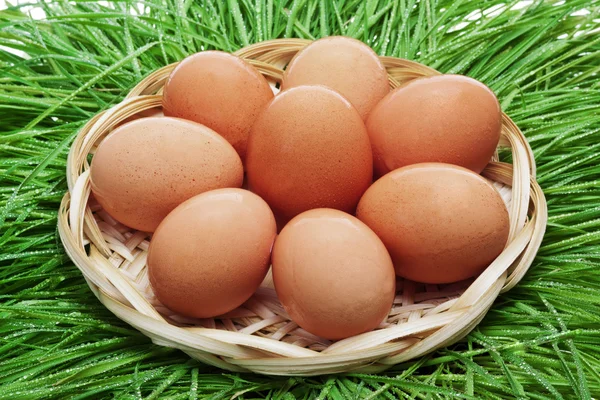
(151, 112)
(309, 149)
(448, 118)
(346, 65)
(219, 90)
(147, 167)
(332, 274)
(212, 252)
(441, 223)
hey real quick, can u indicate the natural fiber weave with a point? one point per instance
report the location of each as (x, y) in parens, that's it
(259, 336)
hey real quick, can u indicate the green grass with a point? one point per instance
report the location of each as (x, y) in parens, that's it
(541, 340)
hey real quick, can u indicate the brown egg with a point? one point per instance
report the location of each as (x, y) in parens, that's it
(151, 112)
(219, 90)
(441, 223)
(448, 118)
(210, 254)
(309, 149)
(346, 65)
(147, 167)
(332, 274)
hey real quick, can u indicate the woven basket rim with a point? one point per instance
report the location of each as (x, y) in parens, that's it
(261, 339)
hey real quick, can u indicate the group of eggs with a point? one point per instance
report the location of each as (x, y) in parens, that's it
(309, 156)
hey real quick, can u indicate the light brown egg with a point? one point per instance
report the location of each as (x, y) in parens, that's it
(448, 118)
(151, 112)
(332, 274)
(219, 90)
(210, 254)
(346, 65)
(441, 223)
(147, 167)
(309, 149)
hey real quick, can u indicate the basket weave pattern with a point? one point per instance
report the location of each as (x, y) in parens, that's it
(259, 336)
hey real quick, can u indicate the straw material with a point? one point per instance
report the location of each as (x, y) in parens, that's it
(259, 336)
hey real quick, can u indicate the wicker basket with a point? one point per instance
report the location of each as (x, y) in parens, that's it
(259, 336)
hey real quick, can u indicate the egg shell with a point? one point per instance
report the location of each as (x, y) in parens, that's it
(147, 167)
(210, 254)
(441, 223)
(448, 118)
(218, 90)
(346, 65)
(150, 112)
(309, 149)
(332, 274)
